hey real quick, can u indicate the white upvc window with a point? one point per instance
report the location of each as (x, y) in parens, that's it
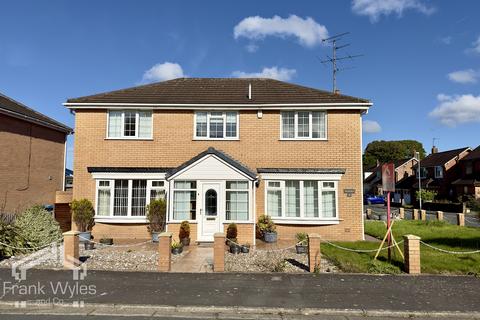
(303, 125)
(184, 200)
(126, 198)
(236, 195)
(301, 199)
(216, 125)
(438, 172)
(129, 124)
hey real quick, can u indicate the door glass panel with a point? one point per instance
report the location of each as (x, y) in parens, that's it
(211, 202)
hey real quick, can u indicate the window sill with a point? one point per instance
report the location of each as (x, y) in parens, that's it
(303, 139)
(238, 222)
(216, 139)
(135, 139)
(306, 221)
(121, 219)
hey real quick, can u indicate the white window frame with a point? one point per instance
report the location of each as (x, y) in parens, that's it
(128, 218)
(310, 122)
(224, 116)
(303, 219)
(249, 201)
(137, 125)
(171, 204)
(438, 176)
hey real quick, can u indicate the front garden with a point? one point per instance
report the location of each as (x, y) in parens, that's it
(436, 233)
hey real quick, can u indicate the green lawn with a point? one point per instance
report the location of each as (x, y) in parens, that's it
(439, 234)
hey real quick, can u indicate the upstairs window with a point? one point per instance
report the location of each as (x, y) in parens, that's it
(216, 125)
(304, 125)
(129, 124)
(438, 172)
(468, 168)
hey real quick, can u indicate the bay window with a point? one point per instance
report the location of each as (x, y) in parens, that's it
(126, 198)
(301, 199)
(216, 125)
(129, 124)
(236, 200)
(184, 200)
(304, 125)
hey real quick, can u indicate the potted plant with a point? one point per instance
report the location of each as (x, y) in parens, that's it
(302, 242)
(246, 248)
(156, 216)
(268, 228)
(83, 216)
(232, 241)
(184, 233)
(177, 247)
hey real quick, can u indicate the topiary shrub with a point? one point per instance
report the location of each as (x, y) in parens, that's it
(232, 232)
(83, 214)
(38, 226)
(156, 215)
(184, 232)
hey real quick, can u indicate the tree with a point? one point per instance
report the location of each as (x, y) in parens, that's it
(386, 151)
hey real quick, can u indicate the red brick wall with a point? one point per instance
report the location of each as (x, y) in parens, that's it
(20, 188)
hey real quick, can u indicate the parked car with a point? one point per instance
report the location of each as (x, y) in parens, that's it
(374, 199)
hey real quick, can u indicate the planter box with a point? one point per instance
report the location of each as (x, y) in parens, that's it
(270, 237)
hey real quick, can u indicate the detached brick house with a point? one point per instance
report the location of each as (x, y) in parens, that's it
(32, 157)
(469, 182)
(221, 151)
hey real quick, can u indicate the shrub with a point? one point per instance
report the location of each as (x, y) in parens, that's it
(232, 232)
(266, 224)
(83, 214)
(473, 204)
(38, 226)
(9, 234)
(427, 195)
(157, 215)
(184, 230)
(302, 237)
(176, 245)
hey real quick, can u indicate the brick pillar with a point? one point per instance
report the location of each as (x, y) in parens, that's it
(411, 250)
(440, 215)
(461, 219)
(314, 255)
(219, 252)
(71, 249)
(423, 215)
(415, 214)
(401, 213)
(165, 251)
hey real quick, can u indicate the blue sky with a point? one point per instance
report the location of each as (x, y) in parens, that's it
(421, 66)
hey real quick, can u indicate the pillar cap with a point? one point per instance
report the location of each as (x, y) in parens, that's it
(71, 233)
(166, 234)
(460, 214)
(313, 235)
(411, 237)
(219, 235)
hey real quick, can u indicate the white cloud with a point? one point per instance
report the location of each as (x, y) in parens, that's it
(464, 76)
(476, 46)
(308, 32)
(446, 40)
(458, 109)
(251, 47)
(370, 126)
(283, 74)
(163, 71)
(374, 9)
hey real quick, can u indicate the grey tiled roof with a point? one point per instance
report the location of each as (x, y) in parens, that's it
(219, 91)
(128, 169)
(302, 170)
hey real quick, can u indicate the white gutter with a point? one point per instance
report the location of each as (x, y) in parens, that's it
(250, 106)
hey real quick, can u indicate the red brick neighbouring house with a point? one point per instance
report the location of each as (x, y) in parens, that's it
(32, 158)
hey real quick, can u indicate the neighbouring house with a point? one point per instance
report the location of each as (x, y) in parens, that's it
(404, 168)
(437, 172)
(68, 179)
(221, 151)
(469, 182)
(32, 158)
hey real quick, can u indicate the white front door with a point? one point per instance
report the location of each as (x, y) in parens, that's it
(211, 209)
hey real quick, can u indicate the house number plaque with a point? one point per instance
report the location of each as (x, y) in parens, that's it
(349, 192)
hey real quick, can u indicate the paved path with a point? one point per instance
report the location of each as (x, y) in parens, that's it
(268, 290)
(197, 259)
